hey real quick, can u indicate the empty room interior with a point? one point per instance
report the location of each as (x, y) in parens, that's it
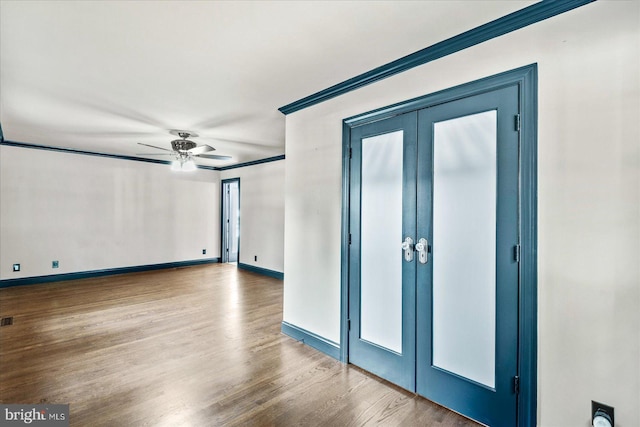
(331, 213)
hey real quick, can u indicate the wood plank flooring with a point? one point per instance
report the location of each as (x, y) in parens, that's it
(196, 346)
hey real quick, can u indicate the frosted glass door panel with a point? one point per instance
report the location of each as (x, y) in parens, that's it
(381, 238)
(464, 246)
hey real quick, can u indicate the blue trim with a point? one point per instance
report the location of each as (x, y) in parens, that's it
(528, 319)
(106, 272)
(260, 270)
(253, 162)
(506, 24)
(326, 346)
(93, 153)
(497, 81)
(122, 157)
(344, 252)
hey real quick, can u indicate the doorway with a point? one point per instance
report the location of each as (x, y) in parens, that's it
(230, 229)
(440, 208)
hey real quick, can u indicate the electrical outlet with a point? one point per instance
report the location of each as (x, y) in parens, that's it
(601, 415)
(55, 264)
(204, 252)
(16, 267)
(255, 257)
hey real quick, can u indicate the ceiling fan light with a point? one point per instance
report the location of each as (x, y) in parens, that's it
(189, 166)
(176, 166)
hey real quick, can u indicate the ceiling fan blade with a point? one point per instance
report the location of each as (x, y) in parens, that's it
(201, 149)
(213, 156)
(153, 146)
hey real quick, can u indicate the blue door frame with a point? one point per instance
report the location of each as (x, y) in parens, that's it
(525, 78)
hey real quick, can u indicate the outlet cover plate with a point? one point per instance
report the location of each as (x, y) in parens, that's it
(16, 267)
(55, 264)
(602, 408)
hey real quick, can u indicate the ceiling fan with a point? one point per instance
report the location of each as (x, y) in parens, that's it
(184, 151)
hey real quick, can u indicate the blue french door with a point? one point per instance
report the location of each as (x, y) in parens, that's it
(383, 215)
(467, 292)
(434, 223)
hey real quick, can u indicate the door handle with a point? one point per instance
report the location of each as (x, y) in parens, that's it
(423, 250)
(407, 247)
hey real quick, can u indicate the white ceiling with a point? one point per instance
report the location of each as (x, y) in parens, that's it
(102, 76)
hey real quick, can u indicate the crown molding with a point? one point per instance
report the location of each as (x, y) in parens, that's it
(122, 157)
(253, 162)
(506, 24)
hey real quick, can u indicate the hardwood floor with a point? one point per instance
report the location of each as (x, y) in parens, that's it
(196, 346)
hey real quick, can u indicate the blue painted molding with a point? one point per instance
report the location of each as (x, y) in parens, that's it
(345, 243)
(260, 270)
(506, 24)
(253, 162)
(92, 153)
(515, 76)
(528, 345)
(324, 345)
(98, 273)
(122, 157)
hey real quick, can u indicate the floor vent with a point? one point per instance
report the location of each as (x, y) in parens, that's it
(6, 321)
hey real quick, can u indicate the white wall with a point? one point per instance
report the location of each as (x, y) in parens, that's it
(589, 198)
(261, 213)
(93, 213)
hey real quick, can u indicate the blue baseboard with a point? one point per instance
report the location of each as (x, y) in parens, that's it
(260, 270)
(97, 273)
(329, 348)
